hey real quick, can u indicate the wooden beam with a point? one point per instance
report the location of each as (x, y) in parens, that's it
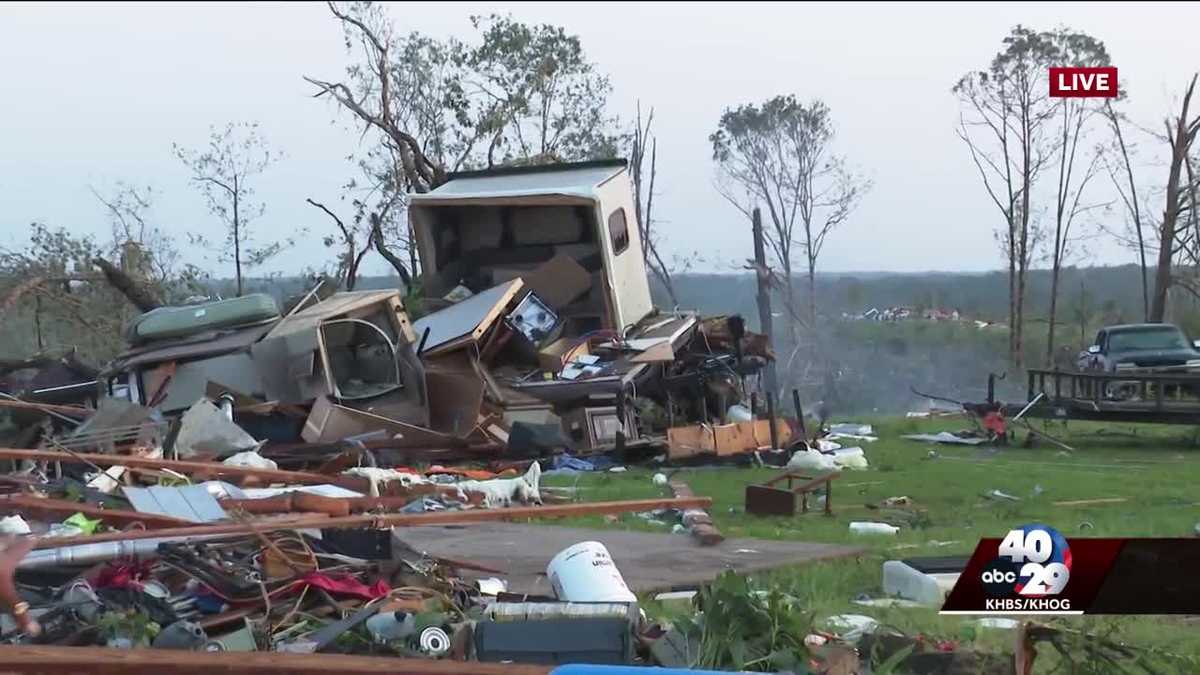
(58, 509)
(390, 520)
(1092, 502)
(56, 660)
(210, 469)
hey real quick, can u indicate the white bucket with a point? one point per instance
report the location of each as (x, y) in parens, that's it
(585, 572)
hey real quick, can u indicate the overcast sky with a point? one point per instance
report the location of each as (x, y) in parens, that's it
(95, 93)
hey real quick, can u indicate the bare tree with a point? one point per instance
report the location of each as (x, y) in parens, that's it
(1126, 188)
(780, 154)
(643, 198)
(1005, 109)
(224, 171)
(1075, 117)
(354, 243)
(1181, 132)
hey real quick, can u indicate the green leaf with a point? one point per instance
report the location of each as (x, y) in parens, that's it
(889, 666)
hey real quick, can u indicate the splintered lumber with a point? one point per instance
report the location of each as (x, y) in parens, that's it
(189, 468)
(390, 520)
(54, 659)
(59, 509)
(697, 521)
(70, 410)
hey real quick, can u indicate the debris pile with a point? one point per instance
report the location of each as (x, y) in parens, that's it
(241, 477)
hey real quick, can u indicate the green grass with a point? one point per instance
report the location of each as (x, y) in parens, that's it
(1153, 467)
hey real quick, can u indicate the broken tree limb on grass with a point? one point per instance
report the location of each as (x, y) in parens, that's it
(1048, 437)
(391, 520)
(697, 521)
(188, 468)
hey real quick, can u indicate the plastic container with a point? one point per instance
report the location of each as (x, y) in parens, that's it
(739, 413)
(585, 572)
(387, 626)
(863, 527)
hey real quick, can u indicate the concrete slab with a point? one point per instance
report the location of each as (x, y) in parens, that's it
(648, 561)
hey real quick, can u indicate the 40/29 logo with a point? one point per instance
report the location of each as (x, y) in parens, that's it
(1032, 561)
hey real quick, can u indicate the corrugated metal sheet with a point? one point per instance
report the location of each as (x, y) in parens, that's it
(192, 502)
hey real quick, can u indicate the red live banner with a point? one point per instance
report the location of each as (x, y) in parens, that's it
(1079, 82)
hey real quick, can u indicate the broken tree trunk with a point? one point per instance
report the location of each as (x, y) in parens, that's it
(137, 293)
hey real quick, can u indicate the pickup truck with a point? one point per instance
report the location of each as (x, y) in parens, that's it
(1144, 347)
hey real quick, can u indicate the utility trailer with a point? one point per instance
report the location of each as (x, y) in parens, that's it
(1155, 398)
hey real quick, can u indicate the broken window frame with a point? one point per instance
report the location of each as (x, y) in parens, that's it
(392, 347)
(620, 239)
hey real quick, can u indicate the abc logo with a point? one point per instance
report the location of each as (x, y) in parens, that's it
(1033, 560)
(999, 577)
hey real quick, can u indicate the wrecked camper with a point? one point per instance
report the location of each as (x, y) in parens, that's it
(540, 287)
(352, 348)
(538, 335)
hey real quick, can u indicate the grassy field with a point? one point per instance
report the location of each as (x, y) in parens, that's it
(1153, 467)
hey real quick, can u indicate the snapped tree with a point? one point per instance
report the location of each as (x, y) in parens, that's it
(223, 171)
(644, 173)
(522, 94)
(1178, 232)
(780, 154)
(79, 292)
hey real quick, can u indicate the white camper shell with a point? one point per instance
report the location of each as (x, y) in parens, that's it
(482, 228)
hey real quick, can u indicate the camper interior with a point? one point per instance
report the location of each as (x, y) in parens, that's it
(480, 246)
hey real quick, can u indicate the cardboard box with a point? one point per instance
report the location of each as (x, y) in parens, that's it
(554, 355)
(725, 439)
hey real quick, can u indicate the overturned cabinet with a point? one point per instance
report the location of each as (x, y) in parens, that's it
(352, 348)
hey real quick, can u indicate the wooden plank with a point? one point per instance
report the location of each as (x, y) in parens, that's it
(392, 520)
(212, 469)
(59, 509)
(50, 659)
(1092, 502)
